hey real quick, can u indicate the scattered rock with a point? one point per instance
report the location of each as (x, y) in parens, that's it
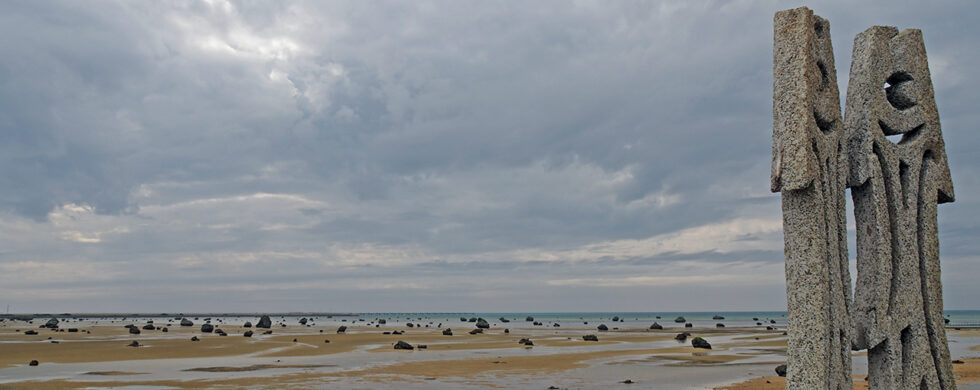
(680, 319)
(342, 329)
(195, 338)
(134, 344)
(590, 337)
(503, 320)
(72, 330)
(410, 325)
(248, 324)
(264, 322)
(148, 327)
(628, 381)
(482, 324)
(207, 328)
(506, 330)
(616, 319)
(526, 341)
(267, 332)
(718, 317)
(294, 340)
(476, 331)
(781, 370)
(656, 326)
(382, 321)
(772, 321)
(682, 336)
(603, 327)
(303, 321)
(698, 342)
(403, 345)
(719, 325)
(248, 333)
(33, 363)
(30, 332)
(688, 325)
(52, 323)
(447, 332)
(958, 361)
(165, 330)
(529, 319)
(134, 330)
(186, 322)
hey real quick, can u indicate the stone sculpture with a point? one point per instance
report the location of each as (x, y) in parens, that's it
(809, 168)
(895, 186)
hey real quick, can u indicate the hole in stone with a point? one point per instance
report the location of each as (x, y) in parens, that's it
(911, 135)
(899, 89)
(824, 125)
(895, 136)
(818, 29)
(824, 76)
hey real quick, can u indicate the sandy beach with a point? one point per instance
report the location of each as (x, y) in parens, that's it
(317, 356)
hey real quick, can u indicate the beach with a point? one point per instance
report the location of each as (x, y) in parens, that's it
(96, 353)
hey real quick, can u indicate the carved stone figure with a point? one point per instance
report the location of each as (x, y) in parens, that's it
(896, 186)
(809, 168)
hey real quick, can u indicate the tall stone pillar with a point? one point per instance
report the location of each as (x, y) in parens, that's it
(809, 168)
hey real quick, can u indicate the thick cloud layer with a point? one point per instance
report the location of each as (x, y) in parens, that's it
(421, 156)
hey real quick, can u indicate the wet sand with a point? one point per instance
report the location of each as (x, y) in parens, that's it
(364, 357)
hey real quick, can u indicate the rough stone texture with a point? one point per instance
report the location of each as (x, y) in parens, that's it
(896, 186)
(809, 168)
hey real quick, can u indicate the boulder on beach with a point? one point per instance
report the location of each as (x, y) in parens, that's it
(133, 344)
(186, 322)
(248, 324)
(529, 319)
(506, 330)
(781, 370)
(615, 319)
(462, 319)
(680, 319)
(472, 319)
(220, 332)
(382, 321)
(698, 342)
(682, 336)
(410, 325)
(207, 328)
(33, 363)
(476, 331)
(303, 321)
(72, 330)
(195, 338)
(590, 337)
(30, 332)
(719, 325)
(342, 329)
(688, 325)
(248, 333)
(602, 327)
(52, 323)
(403, 345)
(482, 323)
(656, 326)
(267, 332)
(504, 320)
(134, 330)
(148, 327)
(526, 342)
(717, 317)
(264, 322)
(447, 332)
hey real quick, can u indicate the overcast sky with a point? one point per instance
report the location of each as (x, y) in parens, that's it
(421, 156)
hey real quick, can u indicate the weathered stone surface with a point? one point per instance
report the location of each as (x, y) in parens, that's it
(264, 322)
(808, 167)
(896, 186)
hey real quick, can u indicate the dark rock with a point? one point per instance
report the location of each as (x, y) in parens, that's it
(207, 328)
(590, 337)
(133, 344)
(52, 323)
(134, 330)
(602, 327)
(294, 340)
(403, 345)
(781, 370)
(30, 332)
(342, 329)
(772, 321)
(303, 321)
(462, 319)
(506, 330)
(264, 322)
(536, 323)
(248, 324)
(422, 346)
(186, 322)
(616, 319)
(472, 319)
(447, 332)
(482, 323)
(33, 363)
(248, 333)
(72, 330)
(195, 338)
(698, 342)
(719, 325)
(267, 332)
(529, 319)
(382, 321)
(504, 320)
(770, 328)
(410, 325)
(525, 341)
(556, 325)
(628, 381)
(656, 326)
(148, 327)
(755, 318)
(220, 332)
(325, 341)
(397, 332)
(688, 325)
(682, 336)
(476, 331)
(680, 319)
(717, 318)
(758, 324)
